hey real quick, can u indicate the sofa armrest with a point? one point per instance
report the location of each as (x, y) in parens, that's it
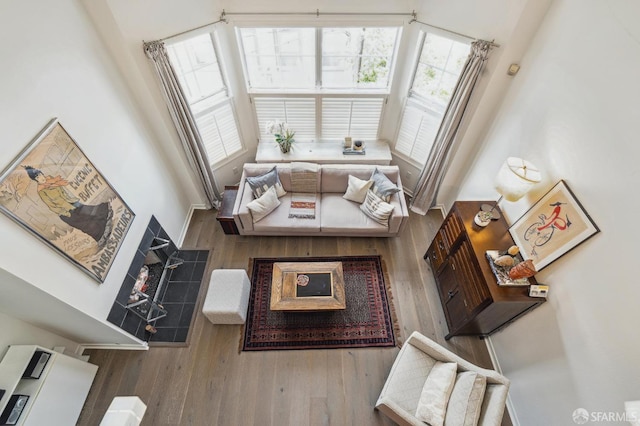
(241, 214)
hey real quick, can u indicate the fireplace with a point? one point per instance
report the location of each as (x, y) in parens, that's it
(160, 288)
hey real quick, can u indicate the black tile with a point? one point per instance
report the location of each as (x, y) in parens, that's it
(176, 292)
(173, 315)
(164, 335)
(192, 292)
(181, 334)
(125, 290)
(136, 264)
(182, 272)
(142, 334)
(198, 271)
(203, 255)
(154, 225)
(187, 313)
(188, 255)
(117, 314)
(147, 238)
(131, 323)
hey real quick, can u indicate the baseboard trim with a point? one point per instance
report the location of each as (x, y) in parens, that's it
(440, 207)
(496, 365)
(187, 221)
(113, 346)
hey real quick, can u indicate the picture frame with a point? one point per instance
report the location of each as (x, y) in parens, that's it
(556, 224)
(55, 192)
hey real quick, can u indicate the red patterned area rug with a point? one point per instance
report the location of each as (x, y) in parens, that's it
(368, 321)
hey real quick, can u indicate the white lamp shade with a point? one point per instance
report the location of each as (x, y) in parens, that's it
(515, 178)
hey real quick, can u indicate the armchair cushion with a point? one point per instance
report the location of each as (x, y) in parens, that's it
(466, 399)
(436, 391)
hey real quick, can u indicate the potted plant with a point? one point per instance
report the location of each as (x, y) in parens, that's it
(282, 133)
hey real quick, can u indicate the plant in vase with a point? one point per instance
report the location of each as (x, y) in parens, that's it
(283, 134)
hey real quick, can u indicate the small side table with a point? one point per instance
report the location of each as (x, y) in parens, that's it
(225, 214)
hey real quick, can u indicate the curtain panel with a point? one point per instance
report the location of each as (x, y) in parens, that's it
(437, 164)
(183, 119)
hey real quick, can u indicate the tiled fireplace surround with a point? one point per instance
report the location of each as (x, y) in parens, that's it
(178, 295)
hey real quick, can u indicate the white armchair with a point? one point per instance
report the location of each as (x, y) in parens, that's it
(401, 392)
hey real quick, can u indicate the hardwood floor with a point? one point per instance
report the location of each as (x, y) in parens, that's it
(210, 382)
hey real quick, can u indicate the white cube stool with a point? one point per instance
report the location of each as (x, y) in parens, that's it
(227, 297)
(124, 411)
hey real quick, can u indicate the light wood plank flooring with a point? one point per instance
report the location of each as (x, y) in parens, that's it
(210, 382)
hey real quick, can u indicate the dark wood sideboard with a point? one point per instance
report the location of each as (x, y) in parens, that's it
(473, 302)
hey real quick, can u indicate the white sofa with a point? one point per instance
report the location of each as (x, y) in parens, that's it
(334, 215)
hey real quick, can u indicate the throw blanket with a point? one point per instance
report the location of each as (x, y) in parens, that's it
(304, 177)
(303, 206)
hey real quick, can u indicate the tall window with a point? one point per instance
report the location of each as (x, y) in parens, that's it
(200, 76)
(437, 72)
(326, 83)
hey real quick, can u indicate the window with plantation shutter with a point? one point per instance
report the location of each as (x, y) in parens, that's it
(358, 118)
(202, 82)
(219, 132)
(437, 72)
(324, 83)
(298, 113)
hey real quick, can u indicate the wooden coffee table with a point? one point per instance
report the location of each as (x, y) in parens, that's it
(307, 286)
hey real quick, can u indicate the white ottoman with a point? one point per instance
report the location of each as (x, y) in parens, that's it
(227, 297)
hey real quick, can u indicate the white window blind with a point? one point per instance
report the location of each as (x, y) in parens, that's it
(355, 117)
(218, 130)
(418, 129)
(437, 72)
(298, 113)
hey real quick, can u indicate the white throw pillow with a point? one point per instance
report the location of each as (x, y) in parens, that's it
(376, 209)
(436, 391)
(466, 399)
(357, 189)
(261, 207)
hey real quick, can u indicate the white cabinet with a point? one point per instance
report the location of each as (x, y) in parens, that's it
(57, 396)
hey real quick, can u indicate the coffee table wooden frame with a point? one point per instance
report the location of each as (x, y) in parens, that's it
(283, 287)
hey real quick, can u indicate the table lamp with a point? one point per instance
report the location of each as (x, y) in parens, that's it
(515, 178)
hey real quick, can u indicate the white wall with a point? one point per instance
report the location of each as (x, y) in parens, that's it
(573, 111)
(17, 332)
(55, 65)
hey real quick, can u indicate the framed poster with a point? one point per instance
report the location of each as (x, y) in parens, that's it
(54, 191)
(555, 224)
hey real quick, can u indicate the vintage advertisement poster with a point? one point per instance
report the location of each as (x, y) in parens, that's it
(55, 192)
(553, 226)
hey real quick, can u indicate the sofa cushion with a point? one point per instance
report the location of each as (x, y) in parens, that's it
(466, 399)
(263, 205)
(382, 186)
(436, 391)
(335, 177)
(338, 215)
(279, 221)
(357, 189)
(261, 183)
(377, 209)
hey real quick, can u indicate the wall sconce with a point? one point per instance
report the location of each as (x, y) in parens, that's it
(515, 178)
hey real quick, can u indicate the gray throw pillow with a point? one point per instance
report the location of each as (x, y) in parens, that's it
(382, 186)
(260, 184)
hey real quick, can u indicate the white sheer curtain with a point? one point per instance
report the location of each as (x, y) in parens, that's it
(183, 119)
(437, 163)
